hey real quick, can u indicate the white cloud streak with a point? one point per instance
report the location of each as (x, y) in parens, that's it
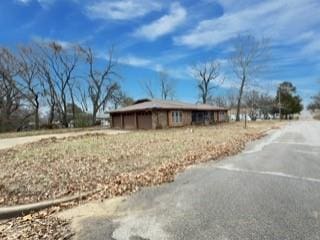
(164, 25)
(62, 43)
(121, 9)
(43, 3)
(135, 61)
(278, 20)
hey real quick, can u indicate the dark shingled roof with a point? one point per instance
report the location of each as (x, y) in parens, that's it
(152, 104)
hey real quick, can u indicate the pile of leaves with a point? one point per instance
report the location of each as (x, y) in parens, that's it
(40, 225)
(54, 168)
(132, 182)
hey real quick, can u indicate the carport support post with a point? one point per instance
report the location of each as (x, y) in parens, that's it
(135, 120)
(112, 121)
(122, 124)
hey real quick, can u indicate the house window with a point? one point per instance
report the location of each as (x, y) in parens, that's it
(177, 116)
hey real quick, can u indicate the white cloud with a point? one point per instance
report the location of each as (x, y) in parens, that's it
(121, 9)
(43, 3)
(164, 25)
(156, 65)
(24, 1)
(311, 44)
(62, 43)
(278, 20)
(135, 61)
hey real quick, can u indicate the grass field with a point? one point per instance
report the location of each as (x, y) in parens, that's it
(317, 116)
(53, 167)
(45, 131)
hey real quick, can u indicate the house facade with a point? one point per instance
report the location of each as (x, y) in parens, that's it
(157, 114)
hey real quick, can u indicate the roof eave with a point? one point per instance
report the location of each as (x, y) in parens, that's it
(169, 108)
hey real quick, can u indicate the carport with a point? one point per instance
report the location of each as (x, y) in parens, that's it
(132, 120)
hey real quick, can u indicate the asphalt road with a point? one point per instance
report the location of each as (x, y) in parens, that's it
(270, 191)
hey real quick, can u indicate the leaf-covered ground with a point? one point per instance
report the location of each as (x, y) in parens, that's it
(40, 225)
(53, 168)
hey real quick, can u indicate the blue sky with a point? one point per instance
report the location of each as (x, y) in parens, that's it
(172, 35)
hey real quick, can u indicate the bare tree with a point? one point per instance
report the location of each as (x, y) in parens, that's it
(101, 83)
(29, 84)
(163, 83)
(166, 86)
(219, 101)
(148, 88)
(231, 99)
(208, 78)
(82, 98)
(247, 60)
(120, 99)
(10, 97)
(57, 66)
(251, 99)
(62, 63)
(72, 98)
(47, 84)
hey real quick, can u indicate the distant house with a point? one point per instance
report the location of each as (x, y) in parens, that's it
(244, 113)
(153, 114)
(250, 114)
(104, 119)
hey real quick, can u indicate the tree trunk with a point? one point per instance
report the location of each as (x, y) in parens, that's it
(64, 113)
(94, 117)
(239, 99)
(65, 120)
(204, 99)
(73, 106)
(36, 118)
(51, 115)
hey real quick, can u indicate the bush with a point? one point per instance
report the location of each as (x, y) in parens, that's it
(82, 120)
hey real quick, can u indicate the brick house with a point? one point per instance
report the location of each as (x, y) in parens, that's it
(155, 114)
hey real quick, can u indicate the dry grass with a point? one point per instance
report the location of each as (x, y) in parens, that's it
(57, 167)
(45, 132)
(317, 116)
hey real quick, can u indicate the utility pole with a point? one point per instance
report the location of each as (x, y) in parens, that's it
(245, 120)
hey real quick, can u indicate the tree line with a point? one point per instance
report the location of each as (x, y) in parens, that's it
(314, 105)
(66, 80)
(249, 58)
(69, 81)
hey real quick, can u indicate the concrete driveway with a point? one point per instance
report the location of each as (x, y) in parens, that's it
(12, 142)
(270, 191)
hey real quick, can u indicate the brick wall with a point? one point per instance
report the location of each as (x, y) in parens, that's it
(186, 119)
(159, 119)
